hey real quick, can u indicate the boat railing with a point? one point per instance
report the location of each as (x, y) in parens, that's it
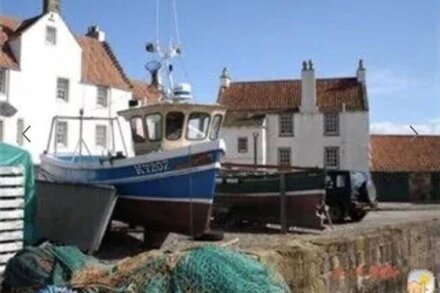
(268, 168)
(78, 151)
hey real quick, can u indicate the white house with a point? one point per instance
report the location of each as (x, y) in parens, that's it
(307, 122)
(46, 70)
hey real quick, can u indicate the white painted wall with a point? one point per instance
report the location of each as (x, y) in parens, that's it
(32, 89)
(308, 142)
(231, 134)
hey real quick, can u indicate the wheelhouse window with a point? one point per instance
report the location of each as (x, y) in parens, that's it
(101, 136)
(154, 126)
(174, 125)
(63, 89)
(242, 145)
(137, 129)
(331, 124)
(331, 157)
(102, 99)
(3, 81)
(198, 126)
(51, 35)
(215, 130)
(62, 131)
(286, 125)
(284, 157)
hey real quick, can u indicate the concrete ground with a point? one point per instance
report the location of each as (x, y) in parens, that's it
(118, 244)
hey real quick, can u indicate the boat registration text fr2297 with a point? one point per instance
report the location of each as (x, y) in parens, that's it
(151, 168)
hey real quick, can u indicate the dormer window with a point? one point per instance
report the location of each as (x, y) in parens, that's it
(102, 99)
(51, 35)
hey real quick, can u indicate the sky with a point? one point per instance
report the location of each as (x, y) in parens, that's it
(259, 40)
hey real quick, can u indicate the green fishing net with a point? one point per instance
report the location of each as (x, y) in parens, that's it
(202, 269)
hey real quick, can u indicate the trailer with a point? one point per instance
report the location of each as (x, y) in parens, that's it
(290, 196)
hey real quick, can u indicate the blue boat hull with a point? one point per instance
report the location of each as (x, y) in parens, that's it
(171, 191)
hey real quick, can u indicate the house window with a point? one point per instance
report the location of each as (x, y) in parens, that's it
(101, 135)
(20, 130)
(62, 133)
(331, 124)
(51, 35)
(1, 130)
(102, 96)
(284, 156)
(242, 145)
(286, 125)
(63, 89)
(331, 157)
(3, 81)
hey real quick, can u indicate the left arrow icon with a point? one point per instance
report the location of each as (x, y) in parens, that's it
(24, 134)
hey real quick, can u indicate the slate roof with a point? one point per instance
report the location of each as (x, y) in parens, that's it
(285, 95)
(404, 153)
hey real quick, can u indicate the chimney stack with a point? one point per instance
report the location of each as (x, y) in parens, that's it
(225, 78)
(51, 6)
(308, 88)
(361, 72)
(96, 33)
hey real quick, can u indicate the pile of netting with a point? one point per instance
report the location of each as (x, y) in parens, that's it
(202, 269)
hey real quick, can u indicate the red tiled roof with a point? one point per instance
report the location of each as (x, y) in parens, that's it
(100, 66)
(404, 153)
(285, 95)
(144, 92)
(8, 26)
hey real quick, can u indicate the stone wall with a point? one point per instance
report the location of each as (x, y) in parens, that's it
(377, 261)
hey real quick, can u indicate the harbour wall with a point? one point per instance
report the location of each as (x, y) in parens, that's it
(372, 261)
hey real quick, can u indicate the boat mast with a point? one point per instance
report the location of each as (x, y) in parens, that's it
(163, 58)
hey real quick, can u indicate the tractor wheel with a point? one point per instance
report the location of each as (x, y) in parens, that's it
(337, 213)
(356, 215)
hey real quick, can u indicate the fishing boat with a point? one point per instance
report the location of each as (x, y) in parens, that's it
(248, 194)
(169, 183)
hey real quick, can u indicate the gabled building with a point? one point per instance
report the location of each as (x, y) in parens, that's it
(309, 122)
(46, 70)
(406, 168)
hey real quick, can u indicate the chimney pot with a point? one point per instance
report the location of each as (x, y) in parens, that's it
(50, 6)
(361, 72)
(225, 78)
(96, 33)
(310, 65)
(304, 66)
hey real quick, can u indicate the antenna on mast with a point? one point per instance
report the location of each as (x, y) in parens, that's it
(178, 92)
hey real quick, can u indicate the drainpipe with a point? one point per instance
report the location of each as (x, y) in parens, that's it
(256, 134)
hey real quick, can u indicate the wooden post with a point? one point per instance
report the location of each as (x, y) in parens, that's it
(283, 215)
